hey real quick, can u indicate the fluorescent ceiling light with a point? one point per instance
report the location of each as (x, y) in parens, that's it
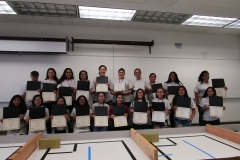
(234, 25)
(106, 13)
(5, 8)
(208, 21)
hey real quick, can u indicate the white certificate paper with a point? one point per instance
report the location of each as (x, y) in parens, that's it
(120, 121)
(11, 124)
(101, 88)
(119, 87)
(139, 118)
(221, 92)
(49, 96)
(59, 121)
(100, 121)
(216, 111)
(154, 95)
(139, 85)
(68, 100)
(84, 93)
(183, 112)
(31, 94)
(170, 98)
(158, 116)
(37, 124)
(83, 121)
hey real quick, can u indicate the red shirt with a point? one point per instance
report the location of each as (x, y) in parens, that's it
(111, 111)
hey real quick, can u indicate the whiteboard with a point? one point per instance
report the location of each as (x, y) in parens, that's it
(15, 70)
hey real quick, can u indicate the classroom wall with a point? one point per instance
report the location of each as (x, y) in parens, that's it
(219, 54)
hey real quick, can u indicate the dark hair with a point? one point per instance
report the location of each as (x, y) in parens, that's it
(86, 101)
(177, 95)
(38, 95)
(100, 93)
(64, 100)
(34, 73)
(101, 67)
(121, 69)
(136, 97)
(55, 74)
(205, 93)
(163, 92)
(137, 69)
(152, 74)
(176, 79)
(63, 77)
(200, 79)
(81, 73)
(22, 105)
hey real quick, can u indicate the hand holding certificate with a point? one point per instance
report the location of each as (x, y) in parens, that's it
(158, 116)
(216, 111)
(119, 87)
(101, 88)
(182, 112)
(59, 121)
(216, 106)
(37, 124)
(219, 85)
(139, 118)
(139, 84)
(120, 121)
(83, 121)
(221, 92)
(100, 121)
(11, 124)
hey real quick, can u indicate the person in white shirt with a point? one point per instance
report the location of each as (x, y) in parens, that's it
(147, 87)
(205, 105)
(183, 122)
(34, 77)
(102, 73)
(161, 99)
(51, 77)
(83, 76)
(128, 88)
(152, 80)
(17, 101)
(37, 102)
(172, 81)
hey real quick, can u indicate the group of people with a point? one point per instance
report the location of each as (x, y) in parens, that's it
(203, 90)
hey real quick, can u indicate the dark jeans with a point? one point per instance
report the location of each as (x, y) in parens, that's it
(100, 129)
(216, 122)
(139, 126)
(172, 119)
(200, 119)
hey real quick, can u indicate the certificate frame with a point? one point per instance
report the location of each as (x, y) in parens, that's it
(216, 111)
(59, 121)
(118, 87)
(68, 100)
(11, 124)
(37, 125)
(49, 96)
(101, 121)
(183, 112)
(140, 118)
(84, 93)
(221, 92)
(31, 94)
(101, 88)
(120, 121)
(158, 116)
(83, 121)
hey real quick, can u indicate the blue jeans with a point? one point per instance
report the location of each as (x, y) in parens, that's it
(185, 123)
(100, 129)
(161, 124)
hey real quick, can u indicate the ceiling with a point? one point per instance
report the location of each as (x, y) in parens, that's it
(225, 8)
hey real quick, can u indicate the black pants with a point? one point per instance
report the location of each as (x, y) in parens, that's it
(200, 119)
(140, 126)
(216, 122)
(63, 131)
(172, 119)
(48, 124)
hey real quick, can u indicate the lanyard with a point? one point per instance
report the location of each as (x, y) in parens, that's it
(120, 81)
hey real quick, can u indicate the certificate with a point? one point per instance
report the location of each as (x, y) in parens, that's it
(183, 112)
(59, 121)
(139, 85)
(216, 111)
(84, 93)
(100, 121)
(154, 95)
(139, 118)
(68, 100)
(48, 96)
(31, 94)
(82, 121)
(158, 116)
(120, 121)
(119, 87)
(11, 124)
(170, 98)
(220, 92)
(101, 88)
(37, 124)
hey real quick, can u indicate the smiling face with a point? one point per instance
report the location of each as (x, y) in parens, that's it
(181, 91)
(83, 76)
(172, 77)
(121, 74)
(68, 74)
(16, 102)
(119, 99)
(152, 78)
(51, 74)
(101, 98)
(34, 78)
(60, 101)
(205, 77)
(137, 74)
(82, 101)
(160, 93)
(210, 92)
(140, 94)
(37, 102)
(102, 71)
